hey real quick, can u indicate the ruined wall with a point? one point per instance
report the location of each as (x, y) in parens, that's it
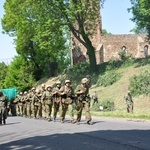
(113, 44)
(107, 47)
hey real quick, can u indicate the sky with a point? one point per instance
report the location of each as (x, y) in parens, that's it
(115, 19)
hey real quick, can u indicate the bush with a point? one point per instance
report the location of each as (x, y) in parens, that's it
(107, 105)
(77, 72)
(108, 78)
(140, 84)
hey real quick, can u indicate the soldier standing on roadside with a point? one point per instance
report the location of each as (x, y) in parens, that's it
(47, 100)
(56, 99)
(82, 92)
(3, 108)
(129, 102)
(94, 98)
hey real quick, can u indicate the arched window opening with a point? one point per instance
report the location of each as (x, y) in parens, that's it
(146, 51)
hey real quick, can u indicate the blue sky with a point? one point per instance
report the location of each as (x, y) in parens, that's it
(115, 19)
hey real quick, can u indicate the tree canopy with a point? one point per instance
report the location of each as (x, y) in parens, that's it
(141, 15)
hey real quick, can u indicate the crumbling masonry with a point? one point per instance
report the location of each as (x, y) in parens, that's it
(107, 47)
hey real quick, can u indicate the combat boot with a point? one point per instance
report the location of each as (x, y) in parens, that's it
(4, 121)
(89, 123)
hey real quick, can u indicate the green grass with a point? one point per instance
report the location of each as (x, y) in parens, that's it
(116, 93)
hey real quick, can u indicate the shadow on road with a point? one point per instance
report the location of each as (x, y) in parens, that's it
(97, 140)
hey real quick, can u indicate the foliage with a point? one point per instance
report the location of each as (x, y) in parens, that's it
(141, 14)
(19, 75)
(108, 78)
(77, 72)
(142, 61)
(140, 84)
(108, 105)
(39, 34)
(3, 72)
(104, 32)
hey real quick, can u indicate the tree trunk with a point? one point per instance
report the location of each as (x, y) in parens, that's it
(91, 54)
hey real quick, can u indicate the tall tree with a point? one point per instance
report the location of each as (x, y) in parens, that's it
(141, 15)
(81, 17)
(38, 38)
(19, 74)
(3, 73)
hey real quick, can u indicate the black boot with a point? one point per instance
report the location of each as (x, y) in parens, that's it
(4, 121)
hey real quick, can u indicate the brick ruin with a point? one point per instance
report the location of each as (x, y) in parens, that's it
(107, 47)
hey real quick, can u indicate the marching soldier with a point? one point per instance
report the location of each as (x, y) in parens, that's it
(47, 100)
(16, 102)
(37, 105)
(20, 104)
(82, 92)
(3, 108)
(67, 94)
(28, 103)
(43, 110)
(24, 99)
(56, 99)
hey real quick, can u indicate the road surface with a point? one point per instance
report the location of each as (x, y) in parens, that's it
(105, 134)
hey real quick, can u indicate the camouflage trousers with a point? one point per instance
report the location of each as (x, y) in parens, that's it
(28, 109)
(3, 114)
(79, 108)
(56, 109)
(130, 108)
(48, 108)
(36, 111)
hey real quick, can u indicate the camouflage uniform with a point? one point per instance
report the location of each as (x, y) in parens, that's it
(24, 104)
(56, 99)
(94, 98)
(82, 92)
(67, 94)
(28, 104)
(37, 105)
(20, 104)
(3, 108)
(48, 102)
(43, 110)
(129, 102)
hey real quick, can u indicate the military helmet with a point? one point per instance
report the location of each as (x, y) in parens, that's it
(20, 93)
(43, 85)
(25, 92)
(33, 88)
(84, 80)
(67, 81)
(48, 86)
(58, 82)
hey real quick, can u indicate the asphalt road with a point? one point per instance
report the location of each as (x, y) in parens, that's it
(105, 134)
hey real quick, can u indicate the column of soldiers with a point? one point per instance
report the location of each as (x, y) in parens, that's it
(48, 101)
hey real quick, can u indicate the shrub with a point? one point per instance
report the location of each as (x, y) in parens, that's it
(107, 105)
(140, 84)
(77, 72)
(108, 78)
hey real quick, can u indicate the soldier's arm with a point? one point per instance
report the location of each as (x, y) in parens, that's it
(78, 90)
